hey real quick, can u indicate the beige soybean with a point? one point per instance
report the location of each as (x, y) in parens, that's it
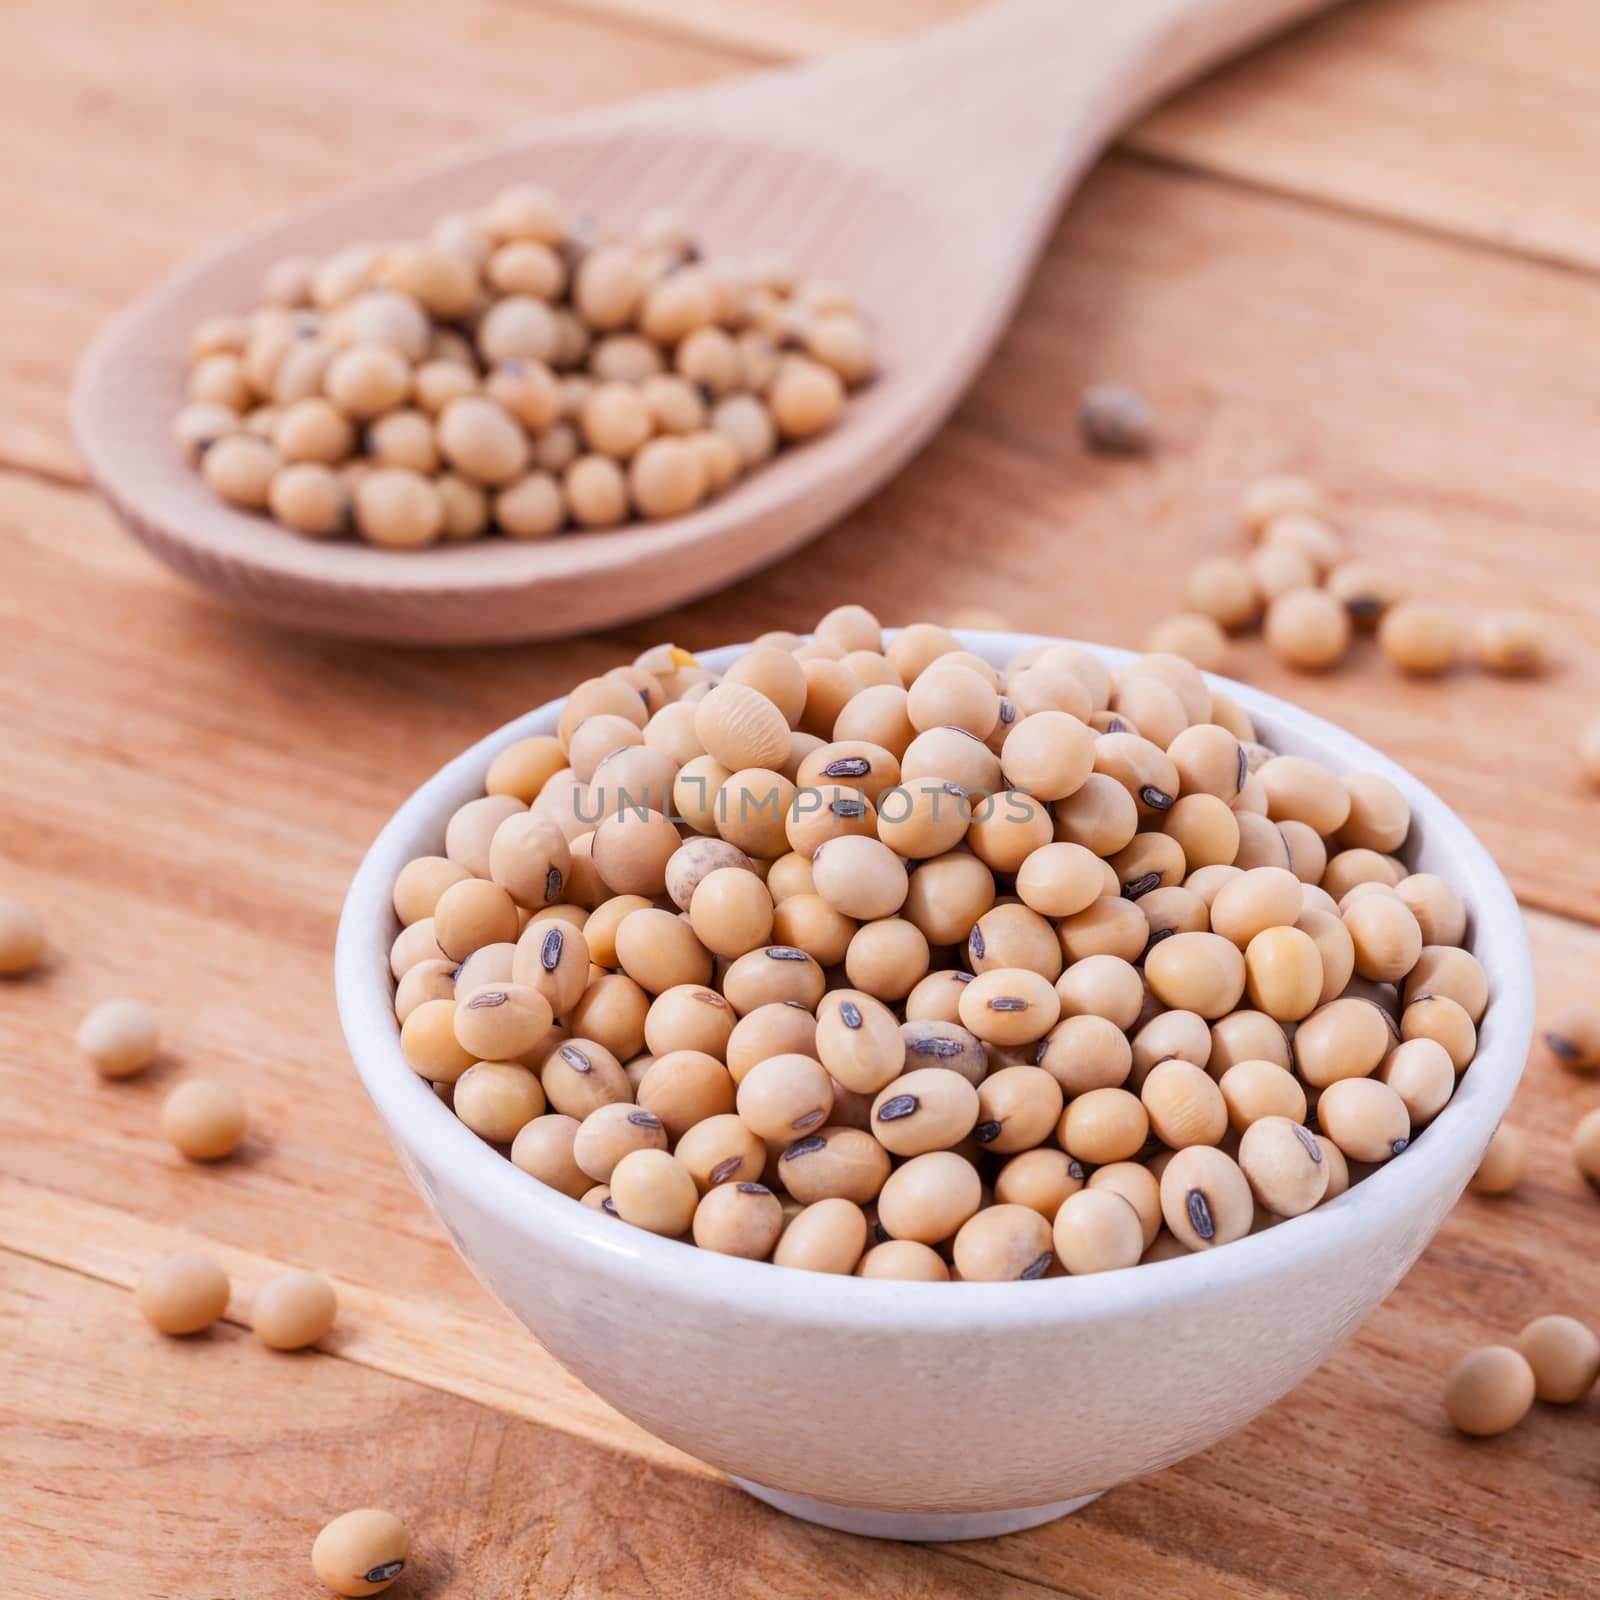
(739, 1219)
(1456, 974)
(1283, 973)
(1283, 1164)
(1018, 1106)
(204, 1120)
(1003, 1244)
(611, 1132)
(938, 1042)
(903, 1261)
(1504, 1163)
(1512, 642)
(785, 1097)
(581, 1075)
(1140, 1187)
(1564, 1355)
(828, 1235)
(1442, 1020)
(498, 1099)
(1421, 1072)
(1489, 1390)
(1009, 1005)
(361, 1552)
(930, 1197)
(1184, 1105)
(1573, 1037)
(120, 1037)
(500, 1021)
(1261, 898)
(1221, 588)
(887, 958)
(1365, 1117)
(1086, 1052)
(1421, 639)
(1103, 1125)
(1102, 986)
(182, 1294)
(1308, 628)
(1254, 1089)
(1168, 1034)
(543, 1149)
(22, 937)
(653, 1190)
(293, 1310)
(1205, 1198)
(1247, 1036)
(1347, 1038)
(1096, 1230)
(776, 974)
(1586, 1146)
(835, 1161)
(471, 914)
(1041, 1179)
(1199, 972)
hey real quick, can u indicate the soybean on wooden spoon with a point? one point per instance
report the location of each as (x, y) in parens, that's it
(924, 175)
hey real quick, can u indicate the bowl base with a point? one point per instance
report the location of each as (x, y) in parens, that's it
(912, 1526)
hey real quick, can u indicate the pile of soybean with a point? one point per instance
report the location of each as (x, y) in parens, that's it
(869, 958)
(516, 371)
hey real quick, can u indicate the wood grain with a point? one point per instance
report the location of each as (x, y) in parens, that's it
(198, 1468)
(1454, 115)
(185, 794)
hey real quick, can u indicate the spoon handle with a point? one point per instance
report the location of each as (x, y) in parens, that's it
(995, 114)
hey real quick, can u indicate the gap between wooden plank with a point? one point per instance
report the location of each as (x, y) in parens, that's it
(493, 1363)
(1186, 134)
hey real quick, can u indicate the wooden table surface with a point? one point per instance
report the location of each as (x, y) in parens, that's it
(1367, 253)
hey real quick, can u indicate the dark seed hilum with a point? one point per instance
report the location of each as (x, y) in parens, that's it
(609, 1206)
(1156, 799)
(809, 1120)
(785, 952)
(726, 1169)
(850, 1013)
(902, 1105)
(753, 1188)
(943, 1048)
(552, 884)
(1244, 771)
(575, 1058)
(644, 1119)
(1008, 1002)
(848, 767)
(1038, 1268)
(849, 808)
(986, 1132)
(484, 1002)
(1309, 1141)
(805, 1147)
(1558, 1043)
(389, 1569)
(1200, 1218)
(976, 945)
(1141, 886)
(550, 951)
(1398, 1146)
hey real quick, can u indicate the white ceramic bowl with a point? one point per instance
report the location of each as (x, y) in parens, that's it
(935, 1410)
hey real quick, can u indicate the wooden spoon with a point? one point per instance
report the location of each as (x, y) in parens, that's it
(923, 175)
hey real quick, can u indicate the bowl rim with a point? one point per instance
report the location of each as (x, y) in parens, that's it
(414, 1115)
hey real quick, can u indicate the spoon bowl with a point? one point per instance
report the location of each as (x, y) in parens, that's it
(923, 176)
